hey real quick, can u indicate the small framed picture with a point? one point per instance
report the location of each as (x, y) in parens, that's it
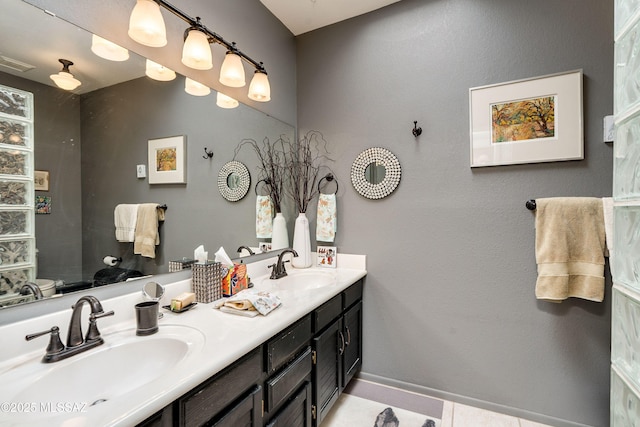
(327, 256)
(264, 247)
(41, 180)
(43, 204)
(168, 160)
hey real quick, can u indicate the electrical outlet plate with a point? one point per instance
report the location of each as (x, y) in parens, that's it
(141, 171)
(609, 129)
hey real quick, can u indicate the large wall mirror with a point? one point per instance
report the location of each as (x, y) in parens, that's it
(91, 140)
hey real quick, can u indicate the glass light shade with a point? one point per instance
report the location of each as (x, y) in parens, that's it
(146, 25)
(65, 80)
(224, 101)
(196, 52)
(259, 89)
(232, 71)
(194, 88)
(108, 50)
(159, 72)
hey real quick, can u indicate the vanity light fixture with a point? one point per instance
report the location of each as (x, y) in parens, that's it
(259, 89)
(159, 72)
(195, 88)
(224, 101)
(108, 50)
(146, 27)
(64, 79)
(196, 52)
(232, 71)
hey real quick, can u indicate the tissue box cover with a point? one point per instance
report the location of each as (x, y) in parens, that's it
(206, 282)
(235, 280)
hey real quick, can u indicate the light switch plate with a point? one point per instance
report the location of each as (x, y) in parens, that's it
(609, 129)
(141, 171)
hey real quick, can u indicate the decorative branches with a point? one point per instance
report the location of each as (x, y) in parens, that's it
(288, 166)
(302, 165)
(272, 170)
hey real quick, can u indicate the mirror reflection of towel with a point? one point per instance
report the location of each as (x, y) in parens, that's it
(264, 217)
(147, 235)
(125, 217)
(327, 218)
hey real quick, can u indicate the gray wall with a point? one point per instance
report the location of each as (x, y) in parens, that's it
(57, 150)
(449, 299)
(117, 123)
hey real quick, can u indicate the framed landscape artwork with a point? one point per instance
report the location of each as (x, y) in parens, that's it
(167, 160)
(527, 121)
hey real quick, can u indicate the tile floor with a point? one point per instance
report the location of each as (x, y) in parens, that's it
(352, 404)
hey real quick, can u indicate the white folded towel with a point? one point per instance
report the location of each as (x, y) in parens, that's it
(125, 218)
(327, 218)
(607, 211)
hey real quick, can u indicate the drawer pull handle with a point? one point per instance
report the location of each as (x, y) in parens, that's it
(341, 351)
(348, 336)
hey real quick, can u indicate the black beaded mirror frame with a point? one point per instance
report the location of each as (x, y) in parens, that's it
(393, 172)
(234, 194)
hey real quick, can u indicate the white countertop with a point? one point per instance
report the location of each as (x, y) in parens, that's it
(227, 338)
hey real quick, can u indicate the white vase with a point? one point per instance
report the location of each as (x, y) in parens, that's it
(301, 242)
(279, 234)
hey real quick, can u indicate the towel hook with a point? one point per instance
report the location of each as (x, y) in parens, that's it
(329, 177)
(416, 130)
(209, 154)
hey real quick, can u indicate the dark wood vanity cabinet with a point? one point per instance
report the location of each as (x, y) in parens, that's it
(291, 380)
(337, 348)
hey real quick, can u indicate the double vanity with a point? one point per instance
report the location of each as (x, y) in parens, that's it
(203, 366)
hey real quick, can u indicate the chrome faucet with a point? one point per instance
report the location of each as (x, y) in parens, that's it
(75, 342)
(278, 268)
(35, 290)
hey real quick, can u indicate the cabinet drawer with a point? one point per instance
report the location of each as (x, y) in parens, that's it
(326, 313)
(207, 400)
(352, 294)
(282, 384)
(284, 346)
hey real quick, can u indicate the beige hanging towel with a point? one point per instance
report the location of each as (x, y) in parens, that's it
(147, 235)
(570, 245)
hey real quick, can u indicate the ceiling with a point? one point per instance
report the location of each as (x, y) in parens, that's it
(301, 16)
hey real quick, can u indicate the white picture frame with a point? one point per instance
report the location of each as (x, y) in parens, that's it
(504, 132)
(168, 160)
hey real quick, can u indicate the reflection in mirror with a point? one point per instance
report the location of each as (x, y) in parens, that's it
(374, 173)
(233, 181)
(152, 291)
(92, 139)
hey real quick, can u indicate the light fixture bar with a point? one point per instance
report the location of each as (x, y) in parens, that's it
(212, 36)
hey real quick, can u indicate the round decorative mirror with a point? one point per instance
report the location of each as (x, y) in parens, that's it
(375, 173)
(234, 181)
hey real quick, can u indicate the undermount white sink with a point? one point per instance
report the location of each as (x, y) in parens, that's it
(301, 280)
(124, 363)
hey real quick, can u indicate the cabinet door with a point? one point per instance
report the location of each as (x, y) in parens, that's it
(352, 331)
(246, 413)
(297, 412)
(326, 370)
